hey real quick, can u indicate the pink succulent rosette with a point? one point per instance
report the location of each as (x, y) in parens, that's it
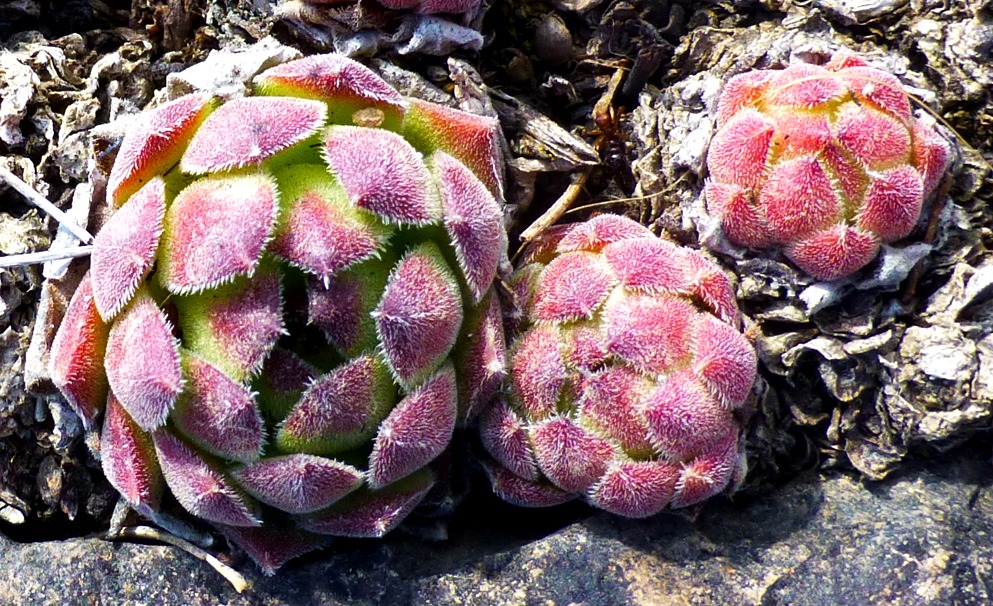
(291, 308)
(628, 375)
(826, 161)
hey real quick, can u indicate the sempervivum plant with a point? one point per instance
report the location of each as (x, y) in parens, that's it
(291, 307)
(628, 375)
(826, 161)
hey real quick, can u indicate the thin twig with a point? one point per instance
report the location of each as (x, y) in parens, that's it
(38, 200)
(45, 256)
(558, 208)
(147, 533)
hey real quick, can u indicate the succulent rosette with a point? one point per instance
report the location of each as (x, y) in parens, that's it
(628, 375)
(290, 309)
(828, 162)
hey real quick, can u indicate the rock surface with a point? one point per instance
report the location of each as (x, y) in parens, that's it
(919, 538)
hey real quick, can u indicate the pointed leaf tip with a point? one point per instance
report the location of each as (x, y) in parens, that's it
(419, 316)
(148, 384)
(124, 249)
(155, 143)
(200, 488)
(253, 129)
(383, 174)
(77, 358)
(416, 431)
(206, 240)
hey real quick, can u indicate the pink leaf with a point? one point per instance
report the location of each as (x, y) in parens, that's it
(538, 373)
(609, 402)
(270, 547)
(573, 286)
(724, 360)
(835, 252)
(299, 483)
(124, 249)
(155, 143)
(636, 489)
(253, 129)
(218, 414)
(383, 174)
(419, 316)
(207, 241)
(127, 457)
(200, 489)
(146, 383)
(740, 148)
(473, 220)
(77, 356)
(650, 332)
(371, 514)
(504, 435)
(685, 419)
(522, 492)
(347, 86)
(570, 456)
(480, 359)
(339, 410)
(416, 431)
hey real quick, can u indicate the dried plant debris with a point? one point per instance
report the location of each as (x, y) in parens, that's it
(892, 359)
(432, 27)
(55, 94)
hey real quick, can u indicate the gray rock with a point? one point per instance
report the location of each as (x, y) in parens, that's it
(920, 538)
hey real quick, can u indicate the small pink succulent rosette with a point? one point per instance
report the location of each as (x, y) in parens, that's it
(291, 308)
(827, 162)
(628, 375)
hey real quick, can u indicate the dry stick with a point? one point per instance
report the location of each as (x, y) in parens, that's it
(45, 256)
(38, 200)
(558, 208)
(147, 533)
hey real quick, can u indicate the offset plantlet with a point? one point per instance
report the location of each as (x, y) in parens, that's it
(292, 307)
(826, 161)
(628, 375)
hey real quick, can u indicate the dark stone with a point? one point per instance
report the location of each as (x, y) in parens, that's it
(921, 537)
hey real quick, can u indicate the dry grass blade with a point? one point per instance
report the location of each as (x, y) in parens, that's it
(38, 200)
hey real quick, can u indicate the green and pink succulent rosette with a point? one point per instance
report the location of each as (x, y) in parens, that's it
(628, 375)
(827, 162)
(291, 308)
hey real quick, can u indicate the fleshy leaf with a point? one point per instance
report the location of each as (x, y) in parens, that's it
(708, 474)
(281, 383)
(609, 401)
(473, 220)
(253, 129)
(572, 287)
(799, 199)
(342, 307)
(155, 143)
(339, 410)
(146, 383)
(200, 488)
(739, 150)
(299, 483)
(600, 231)
(480, 358)
(685, 419)
(538, 373)
(383, 174)
(522, 492)
(416, 431)
(473, 140)
(347, 86)
(128, 459)
(371, 514)
(218, 414)
(77, 356)
(319, 230)
(637, 489)
(570, 456)
(504, 435)
(419, 316)
(649, 332)
(124, 249)
(235, 326)
(272, 547)
(725, 361)
(206, 241)
(835, 252)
